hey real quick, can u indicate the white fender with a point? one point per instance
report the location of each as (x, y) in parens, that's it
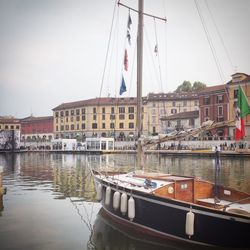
(131, 208)
(190, 223)
(99, 192)
(108, 196)
(124, 203)
(116, 200)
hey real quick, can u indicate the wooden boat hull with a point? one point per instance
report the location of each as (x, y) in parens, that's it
(167, 218)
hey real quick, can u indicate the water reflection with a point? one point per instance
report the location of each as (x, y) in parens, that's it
(52, 196)
(109, 234)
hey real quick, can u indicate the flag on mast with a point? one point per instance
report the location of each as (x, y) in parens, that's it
(126, 60)
(123, 87)
(242, 111)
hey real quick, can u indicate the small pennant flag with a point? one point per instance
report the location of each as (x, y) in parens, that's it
(123, 87)
(129, 21)
(129, 37)
(156, 49)
(242, 110)
(126, 60)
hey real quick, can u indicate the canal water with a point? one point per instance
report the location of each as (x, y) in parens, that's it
(50, 200)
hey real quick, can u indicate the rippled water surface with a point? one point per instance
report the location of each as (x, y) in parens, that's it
(50, 201)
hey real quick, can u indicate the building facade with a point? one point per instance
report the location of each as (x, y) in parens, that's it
(106, 117)
(244, 81)
(9, 133)
(163, 105)
(37, 128)
(182, 121)
(214, 105)
(9, 123)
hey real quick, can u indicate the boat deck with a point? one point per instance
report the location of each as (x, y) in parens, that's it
(229, 206)
(135, 183)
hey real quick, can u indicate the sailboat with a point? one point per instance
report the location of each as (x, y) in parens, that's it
(181, 208)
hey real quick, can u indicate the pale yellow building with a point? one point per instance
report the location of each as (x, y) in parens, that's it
(97, 117)
(162, 105)
(9, 123)
(244, 81)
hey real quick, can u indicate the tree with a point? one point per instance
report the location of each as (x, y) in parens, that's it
(198, 86)
(186, 86)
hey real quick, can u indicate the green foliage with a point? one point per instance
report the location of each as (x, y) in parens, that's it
(186, 86)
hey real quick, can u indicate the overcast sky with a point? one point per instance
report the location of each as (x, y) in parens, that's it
(53, 51)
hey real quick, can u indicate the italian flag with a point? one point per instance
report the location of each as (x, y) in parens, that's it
(242, 110)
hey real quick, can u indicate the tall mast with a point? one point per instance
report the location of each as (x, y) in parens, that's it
(139, 80)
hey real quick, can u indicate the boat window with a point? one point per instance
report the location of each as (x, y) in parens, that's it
(184, 186)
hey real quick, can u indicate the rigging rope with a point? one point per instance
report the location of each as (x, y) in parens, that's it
(107, 52)
(209, 41)
(219, 34)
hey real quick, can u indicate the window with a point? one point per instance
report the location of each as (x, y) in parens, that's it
(67, 113)
(94, 117)
(103, 125)
(77, 126)
(71, 118)
(112, 110)
(131, 116)
(103, 117)
(61, 113)
(56, 120)
(6, 127)
(94, 125)
(173, 111)
(122, 116)
(56, 114)
(191, 122)
(94, 110)
(72, 112)
(83, 117)
(236, 93)
(11, 127)
(206, 111)
(131, 125)
(112, 125)
(67, 127)
(220, 98)
(78, 118)
(72, 127)
(112, 117)
(56, 128)
(62, 128)
(103, 110)
(131, 109)
(206, 100)
(17, 127)
(121, 110)
(83, 111)
(78, 112)
(220, 119)
(121, 125)
(173, 103)
(67, 119)
(83, 125)
(220, 110)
